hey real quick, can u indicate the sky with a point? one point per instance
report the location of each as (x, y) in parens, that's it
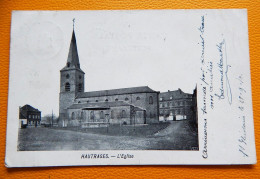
(117, 49)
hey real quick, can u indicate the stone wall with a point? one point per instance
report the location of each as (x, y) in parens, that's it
(140, 100)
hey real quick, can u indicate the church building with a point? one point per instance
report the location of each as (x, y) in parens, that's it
(124, 106)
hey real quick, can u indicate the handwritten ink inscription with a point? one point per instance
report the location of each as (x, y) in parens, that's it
(204, 86)
(210, 77)
(242, 140)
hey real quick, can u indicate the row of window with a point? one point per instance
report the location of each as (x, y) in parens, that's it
(162, 98)
(67, 87)
(102, 116)
(34, 116)
(178, 103)
(33, 122)
(126, 99)
(68, 65)
(176, 111)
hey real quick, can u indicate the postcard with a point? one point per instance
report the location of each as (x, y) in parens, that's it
(129, 87)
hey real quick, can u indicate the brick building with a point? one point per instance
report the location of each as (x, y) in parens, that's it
(29, 116)
(137, 105)
(176, 105)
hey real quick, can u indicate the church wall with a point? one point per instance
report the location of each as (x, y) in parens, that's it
(152, 115)
(139, 117)
(115, 116)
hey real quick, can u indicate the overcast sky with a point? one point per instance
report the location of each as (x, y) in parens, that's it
(117, 49)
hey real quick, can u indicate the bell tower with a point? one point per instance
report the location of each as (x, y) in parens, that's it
(71, 79)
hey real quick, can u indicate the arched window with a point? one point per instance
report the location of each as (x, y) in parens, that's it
(96, 100)
(92, 115)
(68, 64)
(138, 98)
(67, 87)
(101, 115)
(79, 102)
(116, 99)
(80, 87)
(151, 115)
(87, 101)
(81, 115)
(150, 100)
(79, 76)
(106, 100)
(123, 114)
(67, 76)
(112, 114)
(73, 116)
(126, 99)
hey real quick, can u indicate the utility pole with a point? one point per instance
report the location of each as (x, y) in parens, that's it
(52, 119)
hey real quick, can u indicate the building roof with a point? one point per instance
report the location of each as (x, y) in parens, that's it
(28, 107)
(120, 91)
(73, 58)
(23, 111)
(98, 105)
(176, 94)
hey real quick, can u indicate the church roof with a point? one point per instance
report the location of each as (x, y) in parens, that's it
(176, 94)
(99, 105)
(73, 58)
(120, 91)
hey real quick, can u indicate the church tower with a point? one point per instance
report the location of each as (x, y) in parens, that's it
(71, 80)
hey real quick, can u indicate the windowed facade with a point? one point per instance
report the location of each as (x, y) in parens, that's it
(67, 87)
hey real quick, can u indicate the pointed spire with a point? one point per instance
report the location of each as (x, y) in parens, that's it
(73, 58)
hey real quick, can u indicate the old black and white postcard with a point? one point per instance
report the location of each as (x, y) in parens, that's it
(129, 87)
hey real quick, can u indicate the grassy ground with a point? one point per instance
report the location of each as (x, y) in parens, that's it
(178, 135)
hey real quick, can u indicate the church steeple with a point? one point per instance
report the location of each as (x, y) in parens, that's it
(71, 78)
(73, 58)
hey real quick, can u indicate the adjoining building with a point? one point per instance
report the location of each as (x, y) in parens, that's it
(29, 116)
(176, 105)
(137, 105)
